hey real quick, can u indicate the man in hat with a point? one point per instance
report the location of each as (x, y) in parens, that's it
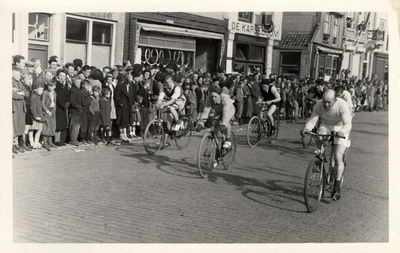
(18, 110)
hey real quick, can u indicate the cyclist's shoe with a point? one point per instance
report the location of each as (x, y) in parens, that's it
(318, 152)
(272, 130)
(180, 133)
(335, 195)
(227, 144)
(215, 163)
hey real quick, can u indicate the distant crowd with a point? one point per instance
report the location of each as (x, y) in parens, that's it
(80, 104)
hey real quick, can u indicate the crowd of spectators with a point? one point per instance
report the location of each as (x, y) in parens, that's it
(80, 104)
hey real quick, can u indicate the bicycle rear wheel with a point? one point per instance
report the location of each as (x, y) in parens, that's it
(153, 137)
(253, 132)
(206, 155)
(183, 135)
(229, 158)
(314, 185)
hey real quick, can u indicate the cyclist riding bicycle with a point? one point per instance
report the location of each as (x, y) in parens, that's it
(223, 107)
(175, 100)
(335, 116)
(271, 97)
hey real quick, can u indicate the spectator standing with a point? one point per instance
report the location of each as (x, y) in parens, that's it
(75, 112)
(37, 116)
(62, 108)
(86, 90)
(124, 97)
(49, 98)
(105, 115)
(109, 84)
(27, 83)
(136, 107)
(18, 110)
(94, 110)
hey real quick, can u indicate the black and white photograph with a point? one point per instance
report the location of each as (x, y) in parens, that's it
(200, 126)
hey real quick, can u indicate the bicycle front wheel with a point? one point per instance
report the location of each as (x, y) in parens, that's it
(314, 185)
(306, 140)
(153, 137)
(253, 132)
(183, 135)
(206, 155)
(229, 157)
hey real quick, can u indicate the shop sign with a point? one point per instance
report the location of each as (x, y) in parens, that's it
(104, 15)
(252, 29)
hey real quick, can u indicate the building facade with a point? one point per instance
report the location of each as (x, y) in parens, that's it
(311, 45)
(94, 37)
(250, 41)
(186, 40)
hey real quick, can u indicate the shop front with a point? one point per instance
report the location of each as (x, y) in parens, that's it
(327, 62)
(163, 45)
(250, 41)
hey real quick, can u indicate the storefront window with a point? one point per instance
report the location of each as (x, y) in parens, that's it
(290, 63)
(101, 33)
(242, 51)
(76, 30)
(38, 27)
(256, 53)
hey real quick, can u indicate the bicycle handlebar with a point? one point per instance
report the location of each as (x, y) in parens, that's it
(333, 134)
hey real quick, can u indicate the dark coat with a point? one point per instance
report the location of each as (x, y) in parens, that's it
(61, 112)
(105, 112)
(36, 107)
(18, 108)
(124, 101)
(75, 99)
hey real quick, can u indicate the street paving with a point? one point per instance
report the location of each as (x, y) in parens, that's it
(120, 194)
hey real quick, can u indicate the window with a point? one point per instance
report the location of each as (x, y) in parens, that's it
(76, 30)
(38, 26)
(382, 24)
(290, 63)
(245, 16)
(326, 23)
(335, 31)
(102, 33)
(242, 51)
(256, 53)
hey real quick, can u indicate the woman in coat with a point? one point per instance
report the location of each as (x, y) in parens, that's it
(123, 98)
(62, 102)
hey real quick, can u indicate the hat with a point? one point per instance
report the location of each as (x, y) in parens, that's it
(216, 89)
(96, 88)
(129, 68)
(106, 90)
(136, 73)
(29, 64)
(108, 75)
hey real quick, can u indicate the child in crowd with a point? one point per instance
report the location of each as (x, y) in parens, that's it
(105, 115)
(95, 114)
(27, 82)
(135, 116)
(86, 90)
(49, 99)
(37, 116)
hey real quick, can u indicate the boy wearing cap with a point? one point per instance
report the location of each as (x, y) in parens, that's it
(95, 114)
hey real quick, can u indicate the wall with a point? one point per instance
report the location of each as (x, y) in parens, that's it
(299, 21)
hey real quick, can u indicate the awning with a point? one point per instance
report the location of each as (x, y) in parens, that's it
(181, 31)
(329, 50)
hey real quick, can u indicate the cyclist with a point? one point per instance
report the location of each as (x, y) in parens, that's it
(175, 100)
(271, 96)
(335, 115)
(346, 96)
(223, 107)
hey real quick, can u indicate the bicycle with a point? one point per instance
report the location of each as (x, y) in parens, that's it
(211, 151)
(319, 178)
(154, 134)
(258, 127)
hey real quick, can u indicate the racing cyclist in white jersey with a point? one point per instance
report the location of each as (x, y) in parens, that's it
(335, 115)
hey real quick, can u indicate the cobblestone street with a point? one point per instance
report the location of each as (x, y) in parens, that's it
(122, 195)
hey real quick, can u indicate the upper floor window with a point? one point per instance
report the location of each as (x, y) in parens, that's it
(76, 30)
(327, 23)
(38, 26)
(245, 16)
(102, 33)
(335, 31)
